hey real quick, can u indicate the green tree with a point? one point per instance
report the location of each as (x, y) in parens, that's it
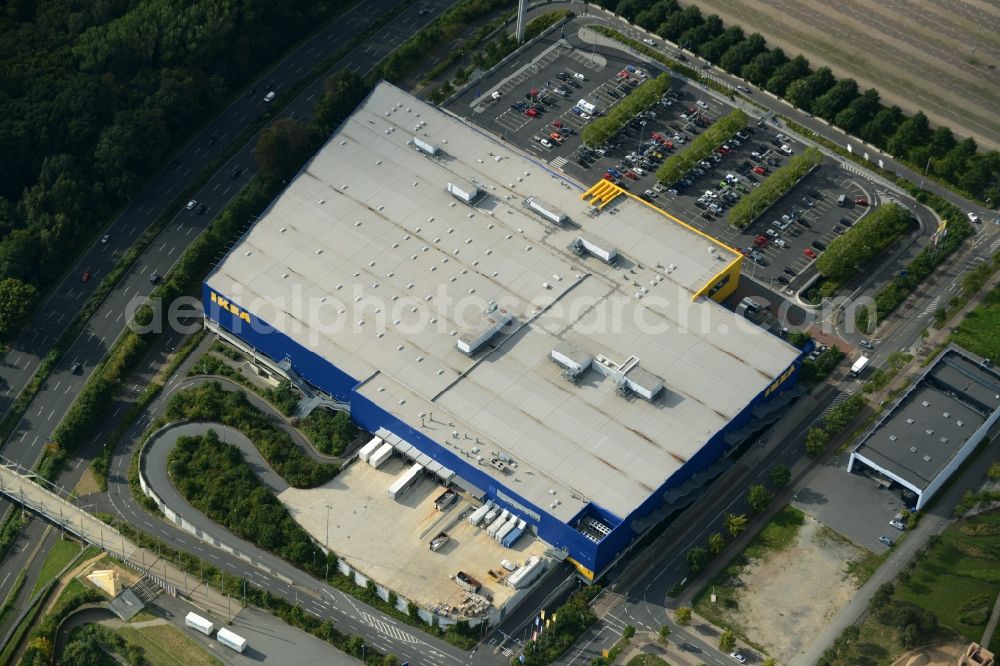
(742, 52)
(628, 631)
(683, 616)
(770, 661)
(780, 475)
(16, 301)
(283, 148)
(390, 660)
(664, 632)
(758, 497)
(696, 559)
(785, 74)
(342, 93)
(716, 543)
(735, 524)
(830, 103)
(881, 596)
(994, 471)
(816, 441)
(727, 641)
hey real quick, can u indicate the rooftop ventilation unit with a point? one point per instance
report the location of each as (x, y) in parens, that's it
(629, 377)
(474, 337)
(463, 191)
(550, 213)
(424, 147)
(573, 360)
(600, 249)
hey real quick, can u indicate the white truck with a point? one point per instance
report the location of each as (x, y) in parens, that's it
(231, 640)
(859, 366)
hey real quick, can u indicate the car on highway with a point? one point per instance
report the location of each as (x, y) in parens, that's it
(269, 97)
(154, 277)
(809, 252)
(86, 276)
(973, 218)
(649, 41)
(105, 238)
(76, 368)
(201, 209)
(885, 541)
(191, 204)
(738, 656)
(865, 343)
(743, 89)
(236, 172)
(898, 524)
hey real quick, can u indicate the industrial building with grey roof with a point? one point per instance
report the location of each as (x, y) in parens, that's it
(555, 348)
(934, 426)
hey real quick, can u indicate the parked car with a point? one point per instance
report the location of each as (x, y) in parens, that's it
(759, 170)
(885, 541)
(738, 656)
(809, 252)
(780, 242)
(860, 201)
(545, 142)
(898, 524)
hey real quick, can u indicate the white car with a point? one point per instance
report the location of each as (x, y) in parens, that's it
(191, 204)
(584, 115)
(973, 218)
(785, 149)
(639, 171)
(105, 238)
(579, 76)
(701, 104)
(649, 41)
(780, 242)
(545, 142)
(738, 657)
(495, 94)
(772, 233)
(269, 97)
(743, 89)
(898, 524)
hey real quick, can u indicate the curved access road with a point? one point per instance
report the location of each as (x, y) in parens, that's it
(265, 570)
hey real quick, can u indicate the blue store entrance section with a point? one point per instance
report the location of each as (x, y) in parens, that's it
(592, 538)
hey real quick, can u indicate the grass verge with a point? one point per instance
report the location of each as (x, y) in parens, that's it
(164, 645)
(61, 554)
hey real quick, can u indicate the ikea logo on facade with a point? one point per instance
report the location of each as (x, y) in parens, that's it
(779, 381)
(230, 307)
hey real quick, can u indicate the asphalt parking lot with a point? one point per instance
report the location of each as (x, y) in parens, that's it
(542, 106)
(851, 504)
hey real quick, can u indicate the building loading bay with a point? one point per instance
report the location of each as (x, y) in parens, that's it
(388, 540)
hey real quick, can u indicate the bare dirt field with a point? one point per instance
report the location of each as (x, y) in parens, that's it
(939, 56)
(787, 597)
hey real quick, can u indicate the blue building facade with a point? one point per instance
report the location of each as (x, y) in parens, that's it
(589, 557)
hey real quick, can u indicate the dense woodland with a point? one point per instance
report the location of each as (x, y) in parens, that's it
(96, 97)
(951, 159)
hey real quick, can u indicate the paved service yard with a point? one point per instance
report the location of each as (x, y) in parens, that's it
(850, 504)
(388, 539)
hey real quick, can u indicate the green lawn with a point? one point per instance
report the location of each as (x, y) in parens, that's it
(59, 556)
(165, 645)
(979, 332)
(646, 660)
(959, 578)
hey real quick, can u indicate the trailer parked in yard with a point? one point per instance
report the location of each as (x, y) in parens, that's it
(514, 535)
(437, 542)
(380, 456)
(231, 640)
(506, 528)
(498, 523)
(405, 480)
(480, 513)
(368, 449)
(199, 623)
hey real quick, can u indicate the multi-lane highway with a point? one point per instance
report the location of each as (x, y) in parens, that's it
(33, 431)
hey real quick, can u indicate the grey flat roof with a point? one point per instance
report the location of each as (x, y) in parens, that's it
(391, 269)
(927, 427)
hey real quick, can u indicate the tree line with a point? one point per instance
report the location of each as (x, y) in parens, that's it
(96, 98)
(641, 98)
(910, 139)
(773, 188)
(678, 165)
(862, 243)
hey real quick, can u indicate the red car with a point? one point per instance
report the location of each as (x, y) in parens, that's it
(669, 145)
(556, 136)
(657, 137)
(725, 150)
(557, 123)
(608, 176)
(760, 241)
(809, 252)
(632, 175)
(861, 201)
(531, 112)
(759, 170)
(86, 276)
